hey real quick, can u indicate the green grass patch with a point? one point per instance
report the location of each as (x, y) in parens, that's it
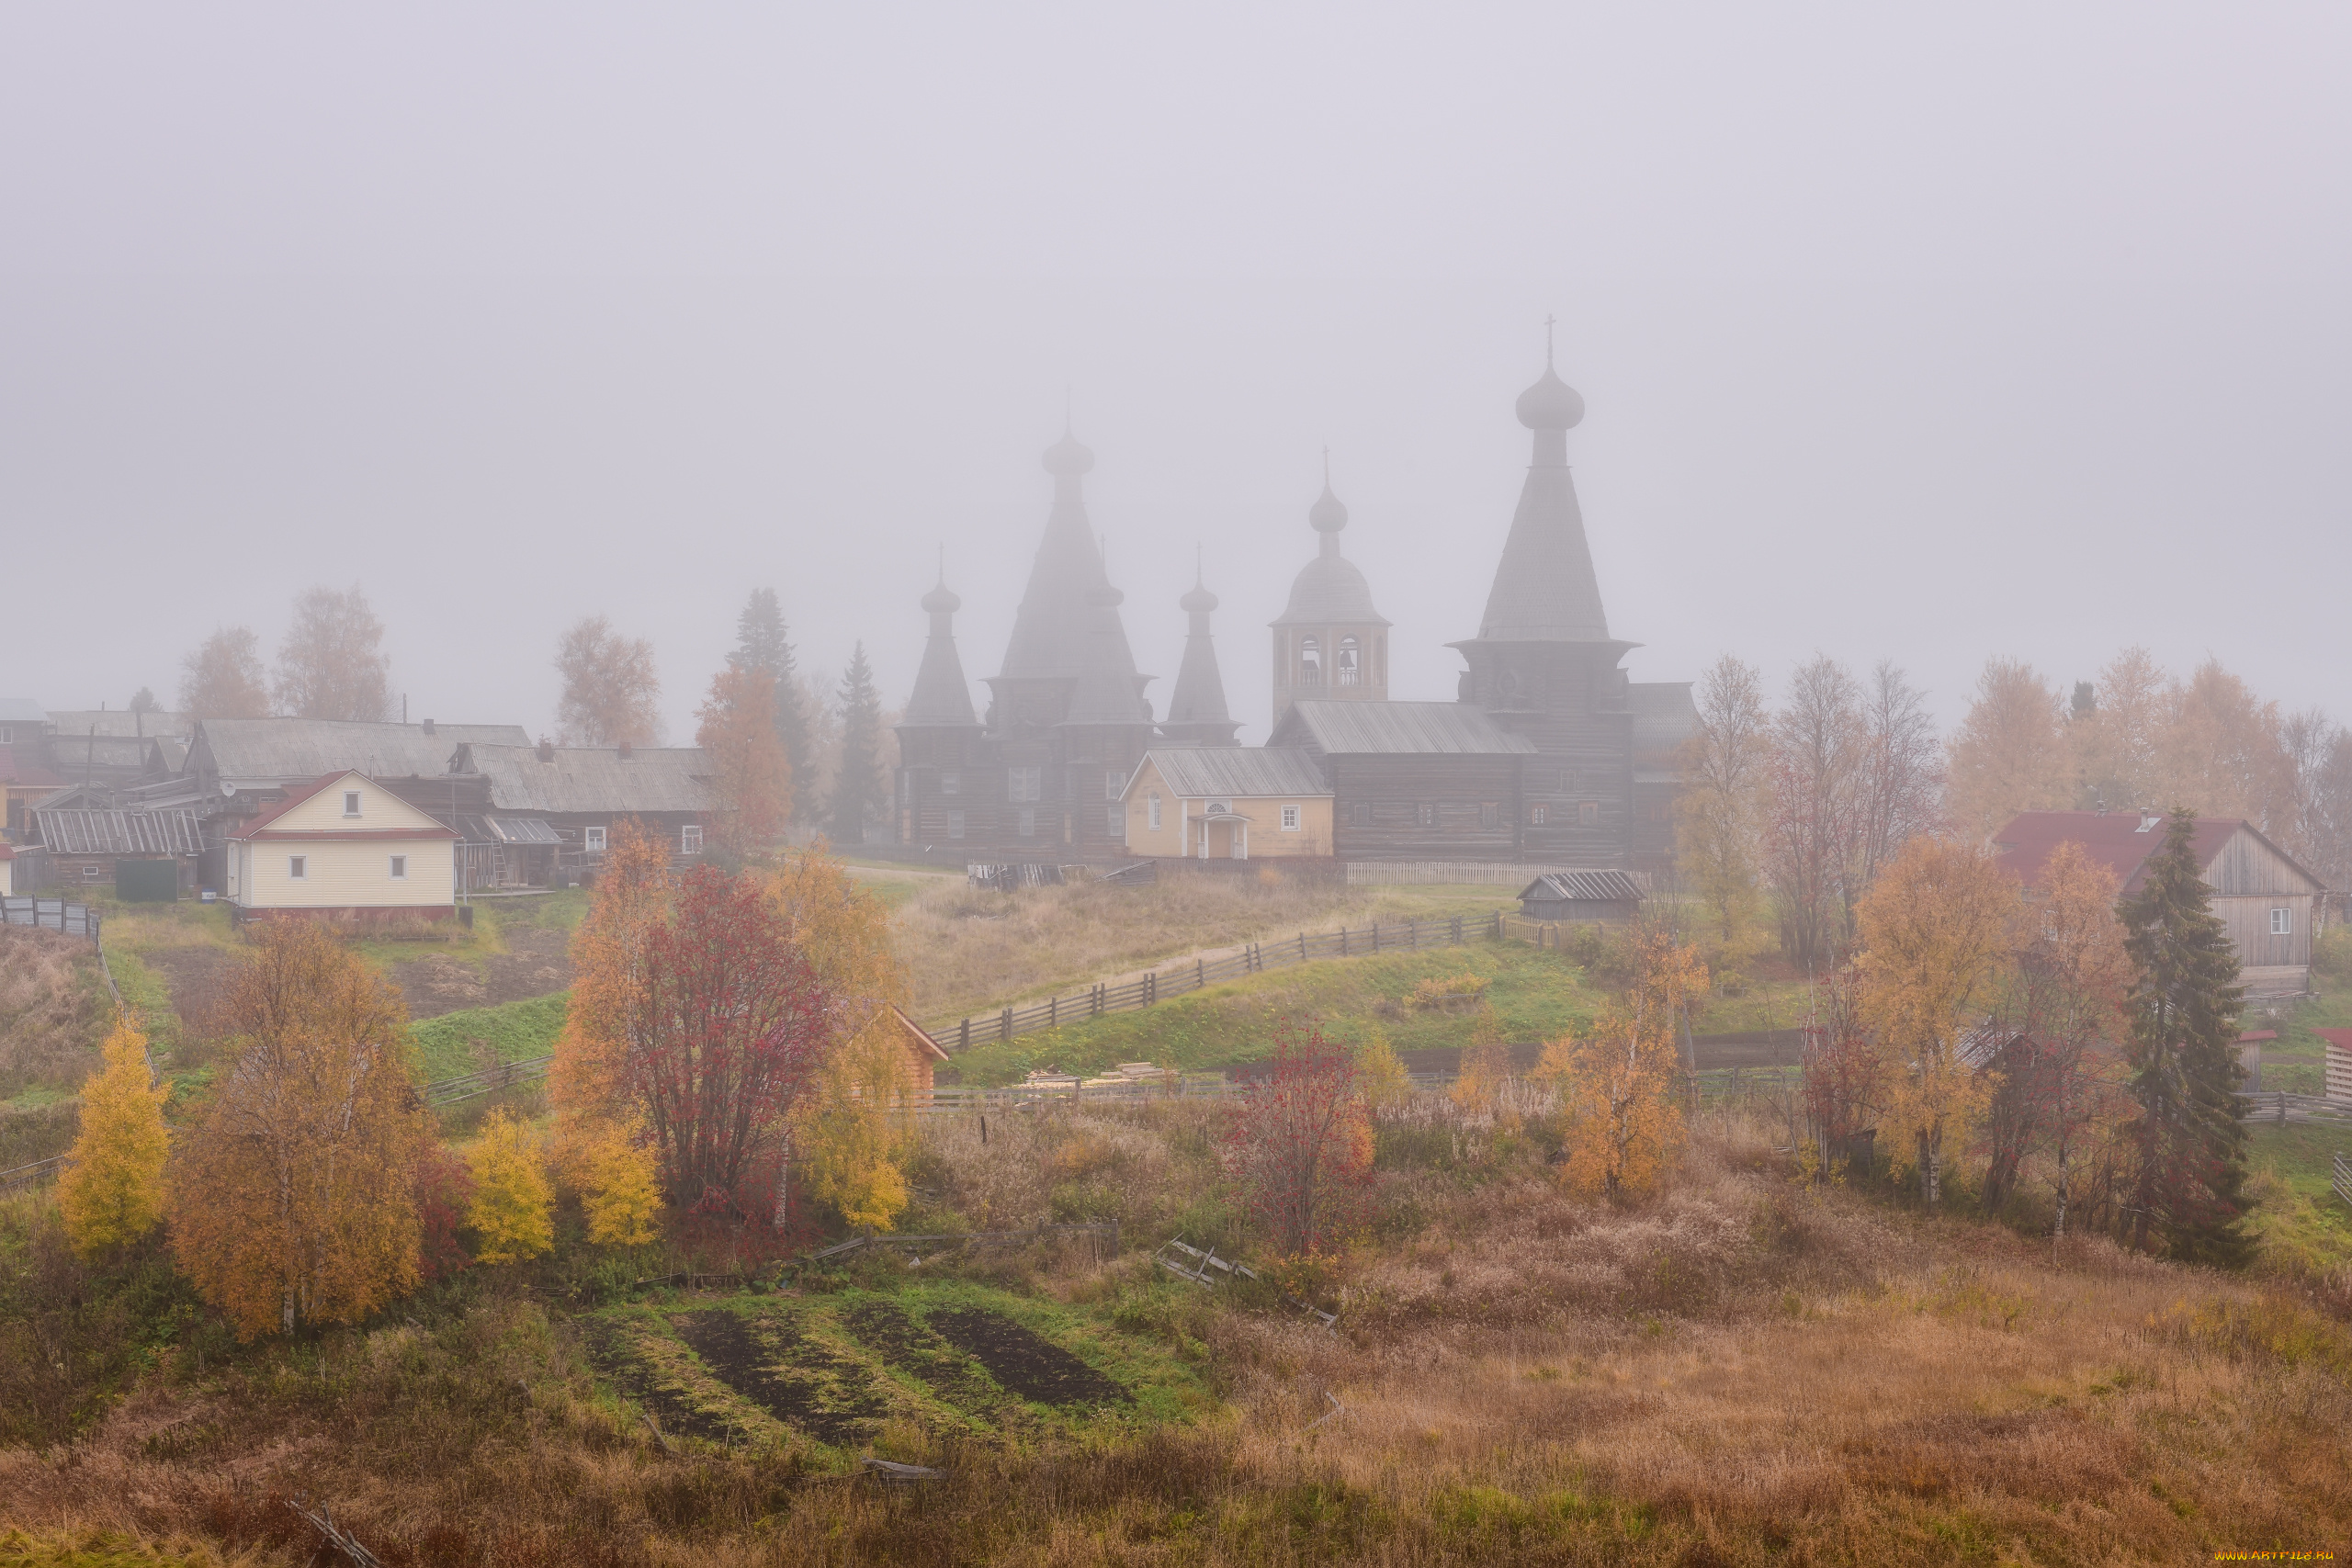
(830, 1374)
(1537, 996)
(456, 1043)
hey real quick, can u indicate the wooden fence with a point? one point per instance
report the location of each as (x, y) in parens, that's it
(2277, 1106)
(961, 1034)
(490, 1080)
(51, 914)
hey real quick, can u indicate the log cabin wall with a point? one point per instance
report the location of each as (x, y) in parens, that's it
(2252, 884)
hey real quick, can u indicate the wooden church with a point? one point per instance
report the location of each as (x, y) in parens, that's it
(1550, 754)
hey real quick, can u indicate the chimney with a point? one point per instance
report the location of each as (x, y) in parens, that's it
(625, 750)
(428, 727)
(547, 750)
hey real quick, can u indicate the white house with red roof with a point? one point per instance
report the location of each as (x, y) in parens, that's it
(2265, 900)
(342, 847)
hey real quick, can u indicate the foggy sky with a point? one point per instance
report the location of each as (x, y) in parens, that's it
(2021, 330)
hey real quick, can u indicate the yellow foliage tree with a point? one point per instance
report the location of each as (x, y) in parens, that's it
(841, 930)
(512, 1204)
(605, 1018)
(620, 1189)
(1485, 1063)
(1938, 935)
(1617, 1079)
(855, 1133)
(293, 1195)
(112, 1191)
(2010, 754)
(1380, 1072)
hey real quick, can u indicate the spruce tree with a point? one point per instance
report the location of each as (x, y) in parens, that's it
(2183, 1051)
(859, 787)
(761, 644)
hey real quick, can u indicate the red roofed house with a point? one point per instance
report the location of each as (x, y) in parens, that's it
(2264, 898)
(342, 847)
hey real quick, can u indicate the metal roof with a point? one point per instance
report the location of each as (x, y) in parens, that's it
(507, 831)
(270, 752)
(120, 833)
(2117, 840)
(1603, 886)
(1243, 772)
(21, 710)
(591, 781)
(1340, 728)
(120, 723)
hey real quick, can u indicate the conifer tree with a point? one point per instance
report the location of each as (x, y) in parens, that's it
(2184, 1006)
(859, 787)
(112, 1191)
(761, 644)
(512, 1204)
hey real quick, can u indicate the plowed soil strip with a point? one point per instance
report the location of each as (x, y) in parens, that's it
(908, 1346)
(1024, 1364)
(624, 1366)
(770, 1362)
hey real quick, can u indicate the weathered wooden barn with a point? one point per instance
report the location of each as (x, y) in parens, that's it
(1577, 895)
(569, 799)
(2265, 900)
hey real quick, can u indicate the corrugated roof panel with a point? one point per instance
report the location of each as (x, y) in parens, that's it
(171, 832)
(590, 780)
(1238, 772)
(274, 750)
(1608, 887)
(1365, 728)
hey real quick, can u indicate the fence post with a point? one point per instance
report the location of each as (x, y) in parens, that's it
(1008, 1023)
(1054, 1012)
(964, 1036)
(1343, 941)
(1457, 928)
(1376, 936)
(1200, 973)
(1150, 990)
(1302, 947)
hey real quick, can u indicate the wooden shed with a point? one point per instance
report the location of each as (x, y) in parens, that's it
(1582, 895)
(2265, 900)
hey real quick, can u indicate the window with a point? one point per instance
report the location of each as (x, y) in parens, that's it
(690, 839)
(8, 735)
(1118, 820)
(1587, 814)
(1428, 811)
(1221, 809)
(951, 783)
(1114, 783)
(1360, 814)
(1350, 671)
(298, 867)
(351, 803)
(1490, 813)
(400, 868)
(1028, 826)
(1024, 784)
(1536, 815)
(593, 840)
(90, 872)
(955, 824)
(1289, 818)
(1311, 662)
(2282, 922)
(1154, 807)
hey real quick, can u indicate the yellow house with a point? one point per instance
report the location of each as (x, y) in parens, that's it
(1228, 803)
(342, 848)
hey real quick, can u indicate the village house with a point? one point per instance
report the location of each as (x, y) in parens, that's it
(341, 848)
(25, 774)
(111, 750)
(580, 794)
(1228, 803)
(2265, 900)
(145, 856)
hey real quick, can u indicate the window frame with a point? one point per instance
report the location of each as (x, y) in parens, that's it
(1587, 814)
(1289, 818)
(298, 868)
(955, 824)
(1025, 824)
(1024, 784)
(1535, 814)
(690, 837)
(593, 841)
(2282, 920)
(351, 803)
(1115, 816)
(1152, 806)
(397, 866)
(951, 782)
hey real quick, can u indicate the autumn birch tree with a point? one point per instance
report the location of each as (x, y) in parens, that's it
(1936, 935)
(2009, 754)
(293, 1195)
(1617, 1079)
(331, 664)
(1719, 814)
(751, 776)
(610, 688)
(223, 677)
(1814, 809)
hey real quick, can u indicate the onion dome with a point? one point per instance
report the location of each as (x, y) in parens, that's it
(1067, 458)
(942, 601)
(1326, 515)
(1551, 403)
(1197, 600)
(1102, 596)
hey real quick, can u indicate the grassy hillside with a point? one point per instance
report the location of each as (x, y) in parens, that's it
(458, 1042)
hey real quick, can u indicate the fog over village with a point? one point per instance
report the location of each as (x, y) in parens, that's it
(1305, 786)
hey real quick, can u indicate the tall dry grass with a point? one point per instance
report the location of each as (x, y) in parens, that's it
(1740, 1371)
(977, 947)
(54, 1010)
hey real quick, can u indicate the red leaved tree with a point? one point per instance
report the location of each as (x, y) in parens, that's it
(731, 1027)
(1300, 1147)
